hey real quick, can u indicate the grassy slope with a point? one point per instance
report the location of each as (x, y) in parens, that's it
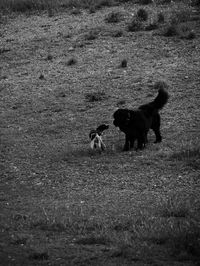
(65, 205)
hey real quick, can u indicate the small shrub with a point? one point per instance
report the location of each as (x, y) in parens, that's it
(151, 26)
(92, 9)
(49, 57)
(170, 31)
(124, 63)
(186, 32)
(39, 256)
(142, 14)
(76, 11)
(50, 12)
(135, 25)
(118, 33)
(190, 36)
(91, 35)
(41, 76)
(71, 61)
(113, 17)
(161, 18)
(95, 96)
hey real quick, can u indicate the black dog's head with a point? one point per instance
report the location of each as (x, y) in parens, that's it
(121, 118)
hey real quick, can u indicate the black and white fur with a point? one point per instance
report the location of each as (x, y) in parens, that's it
(95, 136)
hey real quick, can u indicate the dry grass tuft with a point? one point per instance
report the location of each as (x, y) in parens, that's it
(71, 61)
(95, 96)
(123, 63)
(135, 25)
(113, 17)
(175, 207)
(142, 14)
(92, 35)
(152, 26)
(170, 30)
(190, 155)
(161, 18)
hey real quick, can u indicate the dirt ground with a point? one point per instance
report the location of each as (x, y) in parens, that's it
(63, 204)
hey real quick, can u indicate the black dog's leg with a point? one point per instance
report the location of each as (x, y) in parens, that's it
(158, 135)
(127, 143)
(132, 140)
(156, 128)
(141, 140)
(140, 144)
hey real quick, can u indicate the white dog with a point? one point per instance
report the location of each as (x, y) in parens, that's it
(96, 137)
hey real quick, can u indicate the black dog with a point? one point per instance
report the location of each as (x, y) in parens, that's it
(136, 123)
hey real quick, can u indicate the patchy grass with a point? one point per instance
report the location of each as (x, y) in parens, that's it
(63, 202)
(37, 5)
(175, 207)
(113, 17)
(189, 155)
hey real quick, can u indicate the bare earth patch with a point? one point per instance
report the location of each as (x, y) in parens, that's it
(63, 204)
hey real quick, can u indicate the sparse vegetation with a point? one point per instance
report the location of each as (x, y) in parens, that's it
(142, 14)
(135, 25)
(152, 26)
(49, 57)
(161, 18)
(37, 5)
(76, 11)
(190, 155)
(64, 74)
(113, 17)
(170, 30)
(118, 33)
(95, 96)
(92, 35)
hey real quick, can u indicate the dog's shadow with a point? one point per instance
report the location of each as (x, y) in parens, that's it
(74, 155)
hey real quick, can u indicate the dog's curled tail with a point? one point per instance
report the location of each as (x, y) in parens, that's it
(161, 98)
